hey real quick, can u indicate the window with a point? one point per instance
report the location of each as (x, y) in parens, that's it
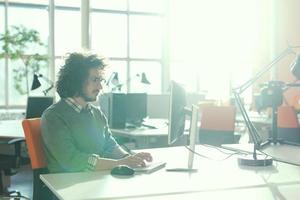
(117, 30)
(145, 41)
(212, 43)
(154, 6)
(109, 5)
(67, 30)
(109, 34)
(132, 36)
(152, 71)
(21, 13)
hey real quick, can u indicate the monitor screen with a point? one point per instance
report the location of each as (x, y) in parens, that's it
(176, 112)
(136, 107)
(37, 105)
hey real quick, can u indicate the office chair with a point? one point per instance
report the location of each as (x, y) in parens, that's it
(217, 125)
(32, 131)
(287, 124)
(8, 167)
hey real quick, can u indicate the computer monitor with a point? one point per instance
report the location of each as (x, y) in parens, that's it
(177, 112)
(177, 118)
(136, 108)
(37, 105)
(123, 109)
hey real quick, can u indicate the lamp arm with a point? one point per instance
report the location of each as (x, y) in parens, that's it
(247, 84)
(48, 81)
(110, 78)
(251, 128)
(292, 85)
(48, 89)
(239, 90)
(257, 141)
(119, 86)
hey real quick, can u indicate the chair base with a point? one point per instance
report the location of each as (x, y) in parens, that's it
(16, 195)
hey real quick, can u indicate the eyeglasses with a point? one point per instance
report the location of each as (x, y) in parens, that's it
(97, 80)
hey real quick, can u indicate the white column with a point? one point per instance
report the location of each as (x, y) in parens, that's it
(85, 24)
(51, 43)
(165, 52)
(6, 59)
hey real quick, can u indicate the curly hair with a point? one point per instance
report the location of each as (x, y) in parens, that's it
(75, 72)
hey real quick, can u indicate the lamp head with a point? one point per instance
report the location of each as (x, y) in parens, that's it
(35, 83)
(144, 79)
(270, 96)
(115, 79)
(295, 67)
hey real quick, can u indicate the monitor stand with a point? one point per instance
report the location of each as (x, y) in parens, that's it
(193, 133)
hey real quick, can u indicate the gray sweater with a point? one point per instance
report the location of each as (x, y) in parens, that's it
(70, 137)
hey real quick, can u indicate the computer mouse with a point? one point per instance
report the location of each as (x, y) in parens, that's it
(122, 170)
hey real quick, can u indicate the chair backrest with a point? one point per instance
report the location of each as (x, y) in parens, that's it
(32, 130)
(287, 117)
(218, 118)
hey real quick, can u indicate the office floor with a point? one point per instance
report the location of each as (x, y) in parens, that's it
(22, 181)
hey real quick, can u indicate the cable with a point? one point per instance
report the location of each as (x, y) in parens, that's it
(217, 148)
(194, 152)
(203, 156)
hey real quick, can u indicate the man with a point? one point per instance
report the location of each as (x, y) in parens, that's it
(75, 133)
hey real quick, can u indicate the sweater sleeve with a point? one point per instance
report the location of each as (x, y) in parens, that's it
(112, 149)
(62, 154)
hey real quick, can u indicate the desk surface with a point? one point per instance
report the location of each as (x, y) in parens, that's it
(161, 130)
(11, 129)
(215, 179)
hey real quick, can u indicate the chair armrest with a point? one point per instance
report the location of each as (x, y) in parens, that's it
(16, 141)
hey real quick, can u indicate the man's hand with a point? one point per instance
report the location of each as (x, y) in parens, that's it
(136, 160)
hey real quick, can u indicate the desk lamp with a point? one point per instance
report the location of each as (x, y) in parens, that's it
(36, 83)
(114, 79)
(274, 92)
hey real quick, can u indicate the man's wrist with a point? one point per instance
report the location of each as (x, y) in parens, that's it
(92, 162)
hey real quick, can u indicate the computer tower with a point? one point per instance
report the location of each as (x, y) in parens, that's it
(114, 107)
(136, 108)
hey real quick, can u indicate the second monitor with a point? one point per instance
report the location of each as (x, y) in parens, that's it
(124, 110)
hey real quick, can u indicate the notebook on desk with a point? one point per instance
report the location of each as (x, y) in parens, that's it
(150, 167)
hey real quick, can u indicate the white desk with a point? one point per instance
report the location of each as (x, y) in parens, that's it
(214, 180)
(11, 129)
